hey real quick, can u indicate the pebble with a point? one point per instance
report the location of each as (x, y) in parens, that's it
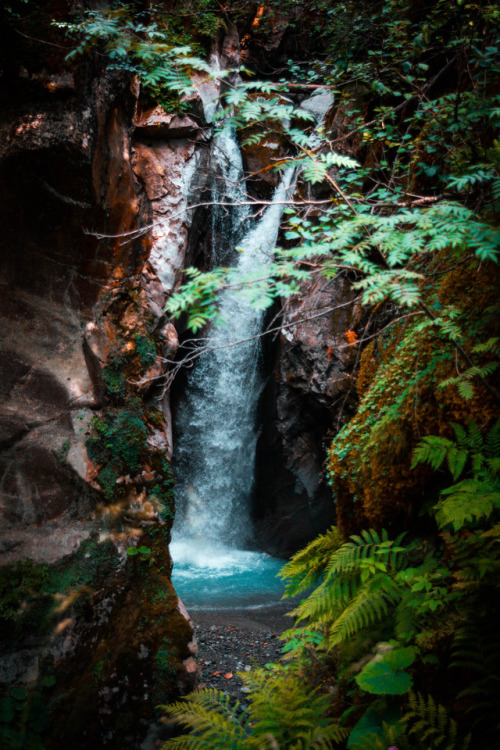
(225, 650)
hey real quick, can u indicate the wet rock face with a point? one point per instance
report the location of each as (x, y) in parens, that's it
(310, 390)
(64, 167)
(83, 624)
(174, 174)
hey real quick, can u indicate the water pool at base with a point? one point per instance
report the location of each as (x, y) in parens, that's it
(218, 577)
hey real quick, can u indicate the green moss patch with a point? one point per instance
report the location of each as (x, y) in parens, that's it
(116, 445)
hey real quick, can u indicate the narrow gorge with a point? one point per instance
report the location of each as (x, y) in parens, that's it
(249, 305)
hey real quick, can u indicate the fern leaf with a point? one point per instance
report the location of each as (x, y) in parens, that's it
(431, 724)
(432, 450)
(475, 436)
(492, 345)
(405, 621)
(467, 501)
(369, 606)
(307, 566)
(457, 458)
(466, 389)
(492, 441)
(460, 434)
(209, 719)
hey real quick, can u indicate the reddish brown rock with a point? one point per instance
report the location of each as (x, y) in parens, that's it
(155, 124)
(72, 296)
(174, 175)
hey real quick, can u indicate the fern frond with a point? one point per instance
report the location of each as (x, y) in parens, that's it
(370, 606)
(306, 566)
(432, 450)
(475, 440)
(435, 450)
(210, 720)
(405, 621)
(430, 722)
(492, 345)
(469, 500)
(370, 545)
(466, 389)
(492, 441)
(327, 600)
(284, 706)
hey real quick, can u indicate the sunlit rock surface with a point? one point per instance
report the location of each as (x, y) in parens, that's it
(174, 174)
(83, 625)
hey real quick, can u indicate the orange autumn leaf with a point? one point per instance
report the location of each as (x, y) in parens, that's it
(258, 16)
(63, 625)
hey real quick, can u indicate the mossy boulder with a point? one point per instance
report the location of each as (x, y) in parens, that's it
(400, 384)
(95, 638)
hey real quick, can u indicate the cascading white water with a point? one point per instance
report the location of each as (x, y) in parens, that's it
(216, 420)
(216, 425)
(228, 187)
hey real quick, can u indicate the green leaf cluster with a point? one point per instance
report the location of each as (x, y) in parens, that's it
(475, 498)
(283, 712)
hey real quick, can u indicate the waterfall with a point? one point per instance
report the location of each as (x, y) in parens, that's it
(215, 447)
(216, 421)
(228, 187)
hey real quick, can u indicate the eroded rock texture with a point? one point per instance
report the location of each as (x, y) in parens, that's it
(65, 168)
(84, 444)
(310, 393)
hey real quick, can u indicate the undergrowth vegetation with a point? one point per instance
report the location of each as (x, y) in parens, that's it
(397, 645)
(399, 190)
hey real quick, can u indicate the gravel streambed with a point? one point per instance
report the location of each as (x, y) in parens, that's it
(231, 641)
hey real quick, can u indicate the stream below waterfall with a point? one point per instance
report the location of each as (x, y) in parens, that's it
(224, 578)
(215, 566)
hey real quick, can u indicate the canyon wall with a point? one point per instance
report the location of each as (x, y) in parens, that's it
(310, 392)
(85, 626)
(95, 189)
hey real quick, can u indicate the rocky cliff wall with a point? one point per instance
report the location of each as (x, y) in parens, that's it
(309, 394)
(83, 437)
(95, 193)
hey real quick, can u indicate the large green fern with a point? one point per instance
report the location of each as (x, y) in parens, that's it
(424, 725)
(370, 581)
(284, 713)
(474, 498)
(464, 381)
(210, 721)
(431, 725)
(308, 565)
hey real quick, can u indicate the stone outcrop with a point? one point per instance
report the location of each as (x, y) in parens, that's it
(84, 474)
(174, 174)
(310, 392)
